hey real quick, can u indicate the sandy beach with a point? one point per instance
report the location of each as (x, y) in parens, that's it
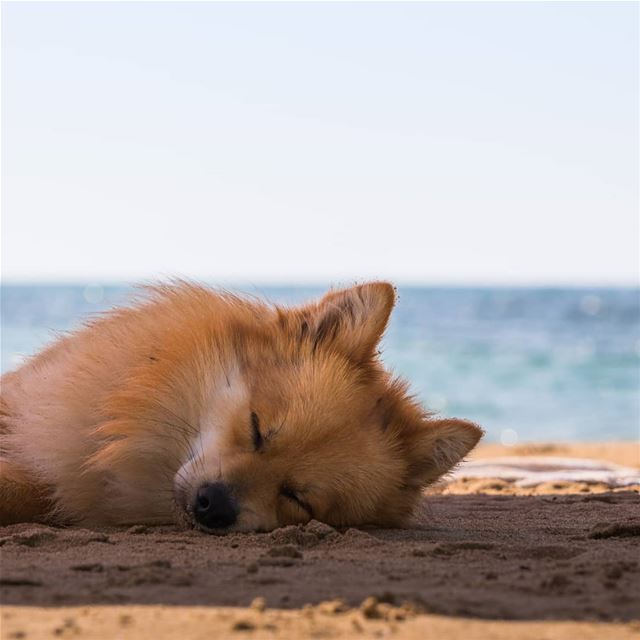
(486, 559)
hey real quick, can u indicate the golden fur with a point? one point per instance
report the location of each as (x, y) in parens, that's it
(122, 421)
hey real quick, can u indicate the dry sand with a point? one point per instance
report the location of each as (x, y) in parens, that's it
(626, 454)
(481, 563)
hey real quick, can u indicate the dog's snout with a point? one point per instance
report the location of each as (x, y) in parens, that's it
(215, 507)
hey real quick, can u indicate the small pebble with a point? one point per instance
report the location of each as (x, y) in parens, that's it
(333, 607)
(369, 608)
(258, 604)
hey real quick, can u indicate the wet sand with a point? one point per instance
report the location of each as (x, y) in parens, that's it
(481, 562)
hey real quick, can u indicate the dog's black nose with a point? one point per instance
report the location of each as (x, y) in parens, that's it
(215, 507)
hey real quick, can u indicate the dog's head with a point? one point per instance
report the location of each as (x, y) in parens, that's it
(305, 423)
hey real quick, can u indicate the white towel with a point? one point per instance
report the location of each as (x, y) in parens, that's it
(528, 471)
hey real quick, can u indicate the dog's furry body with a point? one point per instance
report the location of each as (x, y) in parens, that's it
(122, 421)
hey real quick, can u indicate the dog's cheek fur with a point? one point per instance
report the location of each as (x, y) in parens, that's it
(429, 447)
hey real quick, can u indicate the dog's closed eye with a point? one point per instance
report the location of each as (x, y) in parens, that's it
(256, 436)
(287, 492)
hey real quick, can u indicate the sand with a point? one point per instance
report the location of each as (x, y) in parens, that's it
(623, 453)
(218, 623)
(483, 561)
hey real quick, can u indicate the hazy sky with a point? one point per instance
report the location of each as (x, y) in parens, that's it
(439, 143)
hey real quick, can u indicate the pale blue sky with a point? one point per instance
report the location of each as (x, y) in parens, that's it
(302, 142)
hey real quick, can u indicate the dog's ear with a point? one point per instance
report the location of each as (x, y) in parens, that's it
(437, 446)
(352, 320)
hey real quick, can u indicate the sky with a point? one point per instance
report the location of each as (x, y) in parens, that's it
(425, 143)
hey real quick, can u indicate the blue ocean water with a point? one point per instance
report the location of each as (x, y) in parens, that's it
(527, 364)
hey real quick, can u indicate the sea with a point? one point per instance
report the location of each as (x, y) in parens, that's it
(528, 364)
